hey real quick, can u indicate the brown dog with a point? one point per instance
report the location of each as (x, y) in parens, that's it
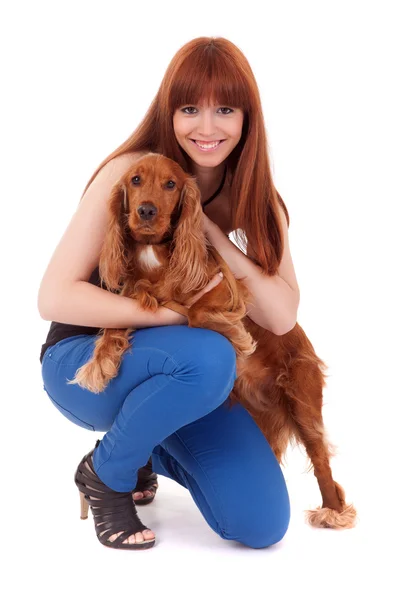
(156, 251)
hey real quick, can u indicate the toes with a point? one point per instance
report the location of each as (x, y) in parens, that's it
(145, 494)
(130, 540)
(148, 534)
(135, 538)
(114, 536)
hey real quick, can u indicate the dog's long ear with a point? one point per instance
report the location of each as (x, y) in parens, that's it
(187, 269)
(113, 262)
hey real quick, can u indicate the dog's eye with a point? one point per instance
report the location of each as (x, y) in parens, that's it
(135, 180)
(171, 184)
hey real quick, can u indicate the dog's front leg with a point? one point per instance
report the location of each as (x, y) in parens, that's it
(145, 293)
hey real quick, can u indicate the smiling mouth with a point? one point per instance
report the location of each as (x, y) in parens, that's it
(207, 146)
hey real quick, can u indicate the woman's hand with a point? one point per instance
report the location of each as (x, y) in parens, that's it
(170, 317)
(210, 285)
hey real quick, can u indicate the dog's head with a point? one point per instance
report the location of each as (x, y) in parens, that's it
(156, 202)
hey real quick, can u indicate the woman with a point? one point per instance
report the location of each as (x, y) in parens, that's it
(167, 405)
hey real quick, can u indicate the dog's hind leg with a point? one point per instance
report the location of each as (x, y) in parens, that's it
(304, 397)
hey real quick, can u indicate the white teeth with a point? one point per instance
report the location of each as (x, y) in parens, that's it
(207, 146)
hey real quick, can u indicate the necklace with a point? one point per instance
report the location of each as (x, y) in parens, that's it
(221, 185)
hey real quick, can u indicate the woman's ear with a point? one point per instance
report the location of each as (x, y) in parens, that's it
(187, 269)
(113, 262)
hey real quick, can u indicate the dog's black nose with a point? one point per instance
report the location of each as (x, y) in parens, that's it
(147, 211)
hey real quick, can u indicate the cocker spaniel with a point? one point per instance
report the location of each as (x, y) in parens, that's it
(156, 252)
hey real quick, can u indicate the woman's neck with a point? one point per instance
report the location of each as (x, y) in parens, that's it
(208, 178)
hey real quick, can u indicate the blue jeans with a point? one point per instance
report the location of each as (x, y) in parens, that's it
(170, 401)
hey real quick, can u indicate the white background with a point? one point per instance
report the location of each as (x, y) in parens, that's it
(77, 78)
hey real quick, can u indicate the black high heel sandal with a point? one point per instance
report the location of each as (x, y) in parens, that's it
(147, 481)
(113, 512)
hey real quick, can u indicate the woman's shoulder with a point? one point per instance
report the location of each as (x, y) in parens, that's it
(130, 157)
(115, 167)
(135, 155)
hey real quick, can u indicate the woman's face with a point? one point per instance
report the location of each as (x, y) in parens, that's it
(208, 134)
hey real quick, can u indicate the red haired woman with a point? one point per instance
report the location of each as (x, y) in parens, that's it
(166, 411)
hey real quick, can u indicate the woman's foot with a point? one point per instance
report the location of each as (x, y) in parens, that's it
(140, 495)
(115, 515)
(135, 538)
(146, 486)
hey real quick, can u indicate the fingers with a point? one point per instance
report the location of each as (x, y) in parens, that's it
(210, 285)
(214, 281)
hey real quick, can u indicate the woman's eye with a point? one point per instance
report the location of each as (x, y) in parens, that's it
(171, 184)
(226, 108)
(135, 180)
(188, 108)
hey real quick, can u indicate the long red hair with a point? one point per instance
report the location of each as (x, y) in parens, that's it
(215, 69)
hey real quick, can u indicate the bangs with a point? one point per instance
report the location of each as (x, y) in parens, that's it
(208, 77)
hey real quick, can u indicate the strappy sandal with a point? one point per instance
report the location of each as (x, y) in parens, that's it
(113, 512)
(147, 480)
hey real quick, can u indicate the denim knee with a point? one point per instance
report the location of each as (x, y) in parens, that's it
(263, 523)
(260, 536)
(211, 359)
(264, 539)
(266, 528)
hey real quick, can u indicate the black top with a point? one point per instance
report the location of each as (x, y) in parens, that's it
(60, 331)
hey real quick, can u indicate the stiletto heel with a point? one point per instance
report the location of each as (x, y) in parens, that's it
(113, 512)
(84, 506)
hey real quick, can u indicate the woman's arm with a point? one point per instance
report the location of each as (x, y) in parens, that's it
(276, 297)
(82, 303)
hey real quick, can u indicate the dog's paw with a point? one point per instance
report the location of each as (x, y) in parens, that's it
(332, 519)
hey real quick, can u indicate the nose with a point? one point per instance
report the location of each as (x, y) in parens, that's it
(147, 211)
(206, 126)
